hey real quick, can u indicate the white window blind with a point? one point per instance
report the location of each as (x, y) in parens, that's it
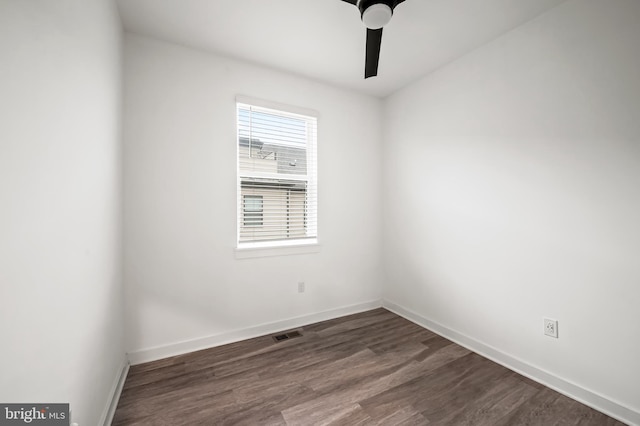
(277, 183)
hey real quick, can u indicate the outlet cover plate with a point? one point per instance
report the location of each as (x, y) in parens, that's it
(551, 327)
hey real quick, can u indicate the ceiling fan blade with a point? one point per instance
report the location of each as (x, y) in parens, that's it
(374, 40)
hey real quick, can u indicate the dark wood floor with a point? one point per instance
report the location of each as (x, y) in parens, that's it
(373, 368)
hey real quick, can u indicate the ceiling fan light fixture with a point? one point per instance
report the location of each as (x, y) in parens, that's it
(377, 16)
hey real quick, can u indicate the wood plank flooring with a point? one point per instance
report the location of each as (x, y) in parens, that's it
(373, 368)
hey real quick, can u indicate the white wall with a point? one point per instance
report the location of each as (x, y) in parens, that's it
(183, 280)
(511, 183)
(60, 204)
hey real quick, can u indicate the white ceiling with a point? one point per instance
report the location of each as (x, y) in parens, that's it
(325, 39)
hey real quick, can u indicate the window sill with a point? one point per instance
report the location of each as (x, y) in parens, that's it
(250, 250)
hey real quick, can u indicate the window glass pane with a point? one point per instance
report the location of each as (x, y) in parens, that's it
(252, 203)
(253, 210)
(276, 173)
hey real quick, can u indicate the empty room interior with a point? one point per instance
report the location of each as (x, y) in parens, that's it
(322, 211)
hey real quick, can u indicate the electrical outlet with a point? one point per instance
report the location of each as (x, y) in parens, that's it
(551, 327)
(301, 287)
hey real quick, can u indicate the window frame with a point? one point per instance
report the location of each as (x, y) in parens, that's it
(307, 244)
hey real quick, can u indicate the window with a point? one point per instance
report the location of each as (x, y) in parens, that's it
(252, 209)
(277, 185)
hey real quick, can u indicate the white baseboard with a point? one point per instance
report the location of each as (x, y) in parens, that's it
(153, 354)
(587, 397)
(116, 390)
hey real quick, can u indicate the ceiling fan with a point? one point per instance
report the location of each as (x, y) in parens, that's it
(375, 14)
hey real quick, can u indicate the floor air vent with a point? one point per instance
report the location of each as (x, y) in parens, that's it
(285, 336)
